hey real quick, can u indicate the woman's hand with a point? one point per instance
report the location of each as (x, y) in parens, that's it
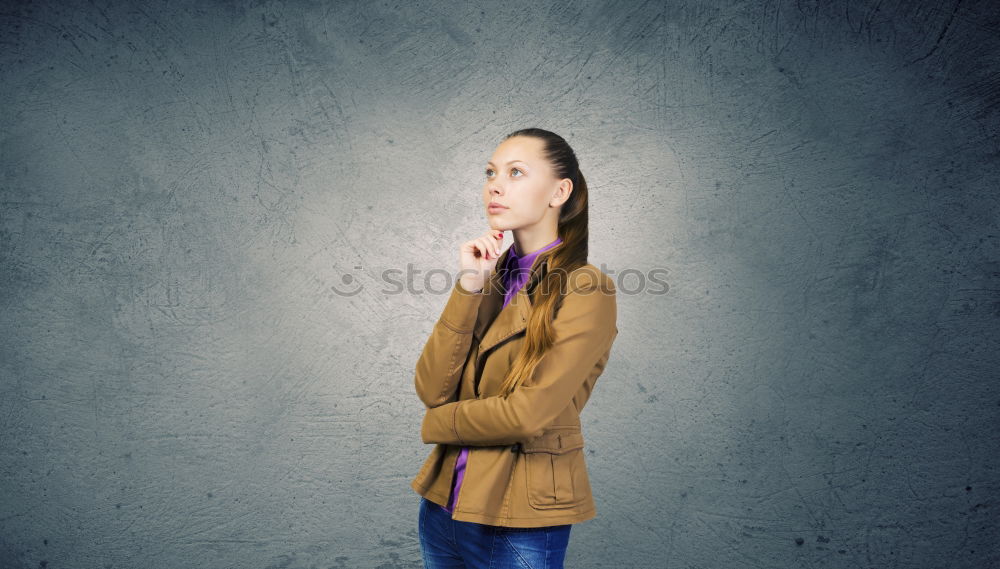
(477, 258)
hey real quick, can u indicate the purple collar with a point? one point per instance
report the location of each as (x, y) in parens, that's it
(524, 263)
(519, 267)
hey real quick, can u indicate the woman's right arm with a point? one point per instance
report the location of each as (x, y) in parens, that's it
(439, 368)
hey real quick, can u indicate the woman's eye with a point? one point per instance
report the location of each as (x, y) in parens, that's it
(489, 170)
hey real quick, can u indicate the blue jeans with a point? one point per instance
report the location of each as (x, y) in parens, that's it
(448, 543)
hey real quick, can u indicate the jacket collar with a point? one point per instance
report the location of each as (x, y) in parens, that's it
(495, 323)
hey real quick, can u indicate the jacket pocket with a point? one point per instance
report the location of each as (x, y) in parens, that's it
(553, 463)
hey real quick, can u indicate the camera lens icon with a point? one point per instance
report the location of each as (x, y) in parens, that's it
(350, 284)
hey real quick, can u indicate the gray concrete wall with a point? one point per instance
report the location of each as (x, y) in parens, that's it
(186, 186)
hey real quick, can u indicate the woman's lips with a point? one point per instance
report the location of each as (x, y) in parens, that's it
(496, 208)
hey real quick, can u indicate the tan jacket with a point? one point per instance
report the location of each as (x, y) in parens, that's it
(526, 464)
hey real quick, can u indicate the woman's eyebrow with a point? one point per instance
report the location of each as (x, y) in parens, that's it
(511, 162)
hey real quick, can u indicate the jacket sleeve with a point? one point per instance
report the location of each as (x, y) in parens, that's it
(585, 328)
(439, 368)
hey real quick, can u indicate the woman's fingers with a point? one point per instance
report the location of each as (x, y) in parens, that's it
(494, 245)
(477, 248)
(485, 247)
(493, 239)
(481, 253)
(497, 238)
(478, 258)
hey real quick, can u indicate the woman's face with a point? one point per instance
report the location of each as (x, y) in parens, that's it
(518, 177)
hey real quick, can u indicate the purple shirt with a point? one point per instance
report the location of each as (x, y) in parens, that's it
(513, 279)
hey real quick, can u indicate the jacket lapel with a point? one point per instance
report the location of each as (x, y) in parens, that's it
(492, 301)
(493, 324)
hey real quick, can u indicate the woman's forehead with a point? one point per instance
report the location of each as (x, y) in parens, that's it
(526, 149)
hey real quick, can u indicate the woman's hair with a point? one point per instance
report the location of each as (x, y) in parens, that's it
(546, 290)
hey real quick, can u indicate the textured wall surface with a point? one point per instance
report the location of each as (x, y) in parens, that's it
(188, 188)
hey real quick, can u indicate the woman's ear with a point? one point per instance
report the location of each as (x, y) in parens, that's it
(562, 193)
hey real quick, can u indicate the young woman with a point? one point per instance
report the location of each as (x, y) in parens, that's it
(508, 367)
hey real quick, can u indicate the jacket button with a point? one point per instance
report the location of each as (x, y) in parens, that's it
(515, 447)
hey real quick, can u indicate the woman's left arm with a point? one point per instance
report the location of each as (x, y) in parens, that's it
(585, 328)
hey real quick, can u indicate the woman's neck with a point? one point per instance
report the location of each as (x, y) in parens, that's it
(528, 243)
